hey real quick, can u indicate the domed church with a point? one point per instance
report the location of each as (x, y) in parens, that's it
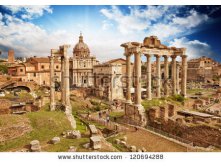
(82, 64)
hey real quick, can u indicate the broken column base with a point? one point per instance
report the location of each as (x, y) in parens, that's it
(142, 114)
(52, 107)
(136, 113)
(68, 112)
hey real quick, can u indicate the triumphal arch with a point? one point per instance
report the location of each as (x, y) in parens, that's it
(151, 46)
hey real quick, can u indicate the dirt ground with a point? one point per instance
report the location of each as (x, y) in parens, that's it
(152, 142)
(13, 126)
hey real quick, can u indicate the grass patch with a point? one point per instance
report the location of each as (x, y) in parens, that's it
(117, 146)
(80, 125)
(64, 145)
(116, 114)
(46, 125)
(153, 103)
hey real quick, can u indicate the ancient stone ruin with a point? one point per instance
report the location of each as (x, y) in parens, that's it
(152, 46)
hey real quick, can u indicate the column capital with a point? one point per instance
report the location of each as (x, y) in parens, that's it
(148, 55)
(127, 54)
(137, 50)
(183, 56)
(173, 56)
(157, 56)
(64, 47)
(165, 56)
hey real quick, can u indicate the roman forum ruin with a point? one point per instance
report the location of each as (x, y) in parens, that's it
(152, 46)
(148, 92)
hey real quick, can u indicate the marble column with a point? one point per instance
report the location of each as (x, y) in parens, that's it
(178, 79)
(62, 81)
(174, 74)
(128, 77)
(158, 76)
(148, 89)
(166, 76)
(184, 75)
(137, 78)
(52, 84)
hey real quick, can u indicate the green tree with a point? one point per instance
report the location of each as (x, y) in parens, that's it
(3, 69)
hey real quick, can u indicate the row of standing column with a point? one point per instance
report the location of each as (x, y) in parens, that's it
(175, 77)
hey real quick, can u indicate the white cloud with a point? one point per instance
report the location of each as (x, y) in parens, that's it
(195, 48)
(163, 31)
(28, 39)
(125, 23)
(162, 21)
(193, 20)
(30, 12)
(106, 25)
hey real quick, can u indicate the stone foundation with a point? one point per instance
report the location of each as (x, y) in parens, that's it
(136, 113)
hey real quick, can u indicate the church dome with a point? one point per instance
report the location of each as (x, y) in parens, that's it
(81, 49)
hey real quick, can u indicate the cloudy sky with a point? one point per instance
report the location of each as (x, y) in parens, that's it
(34, 30)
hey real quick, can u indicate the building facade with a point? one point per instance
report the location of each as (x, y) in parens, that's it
(81, 65)
(203, 69)
(35, 69)
(108, 81)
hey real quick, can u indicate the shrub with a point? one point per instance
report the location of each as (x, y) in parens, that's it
(179, 98)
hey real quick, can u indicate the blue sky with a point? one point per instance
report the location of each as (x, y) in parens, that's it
(34, 30)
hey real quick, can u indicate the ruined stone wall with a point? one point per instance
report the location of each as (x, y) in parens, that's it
(132, 114)
(176, 125)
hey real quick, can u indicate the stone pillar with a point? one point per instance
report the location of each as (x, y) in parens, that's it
(148, 90)
(184, 75)
(174, 74)
(66, 77)
(158, 76)
(62, 81)
(177, 79)
(137, 78)
(166, 76)
(68, 107)
(129, 79)
(52, 84)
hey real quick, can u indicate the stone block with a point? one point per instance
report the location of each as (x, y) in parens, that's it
(95, 142)
(117, 141)
(35, 146)
(55, 140)
(72, 149)
(93, 130)
(34, 142)
(87, 145)
(144, 149)
(123, 143)
(133, 148)
(124, 138)
(73, 134)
